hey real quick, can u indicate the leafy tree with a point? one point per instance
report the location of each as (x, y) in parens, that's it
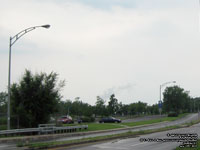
(100, 107)
(195, 104)
(3, 102)
(132, 108)
(141, 107)
(176, 99)
(35, 98)
(76, 108)
(65, 107)
(137, 108)
(113, 105)
(153, 110)
(124, 109)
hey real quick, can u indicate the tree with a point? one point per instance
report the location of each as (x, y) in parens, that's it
(113, 105)
(176, 100)
(35, 98)
(137, 108)
(65, 107)
(153, 110)
(3, 102)
(141, 107)
(100, 107)
(195, 104)
(124, 109)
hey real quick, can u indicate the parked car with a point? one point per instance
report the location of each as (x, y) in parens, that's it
(66, 119)
(110, 120)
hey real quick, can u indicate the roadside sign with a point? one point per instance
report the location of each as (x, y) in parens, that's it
(160, 104)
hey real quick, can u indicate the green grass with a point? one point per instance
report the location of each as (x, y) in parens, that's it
(197, 148)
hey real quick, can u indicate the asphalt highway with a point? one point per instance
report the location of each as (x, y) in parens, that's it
(128, 143)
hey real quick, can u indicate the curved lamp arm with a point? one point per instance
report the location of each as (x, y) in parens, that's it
(167, 83)
(21, 33)
(164, 85)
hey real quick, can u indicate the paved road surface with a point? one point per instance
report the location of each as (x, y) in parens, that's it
(135, 144)
(189, 118)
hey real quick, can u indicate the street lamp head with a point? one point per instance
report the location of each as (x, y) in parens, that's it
(46, 26)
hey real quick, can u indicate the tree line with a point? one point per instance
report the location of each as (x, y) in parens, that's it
(101, 109)
(36, 98)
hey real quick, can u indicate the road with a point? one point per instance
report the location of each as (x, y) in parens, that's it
(188, 118)
(136, 144)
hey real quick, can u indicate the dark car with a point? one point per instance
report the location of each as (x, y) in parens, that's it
(110, 120)
(66, 119)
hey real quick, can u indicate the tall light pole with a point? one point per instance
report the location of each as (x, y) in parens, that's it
(160, 100)
(11, 42)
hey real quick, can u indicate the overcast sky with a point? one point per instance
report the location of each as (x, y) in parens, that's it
(101, 47)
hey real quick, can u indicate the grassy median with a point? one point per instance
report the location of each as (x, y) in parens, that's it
(196, 148)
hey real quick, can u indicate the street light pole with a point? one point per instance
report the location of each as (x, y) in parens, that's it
(11, 42)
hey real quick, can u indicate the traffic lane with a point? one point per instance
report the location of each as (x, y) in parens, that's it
(187, 119)
(136, 144)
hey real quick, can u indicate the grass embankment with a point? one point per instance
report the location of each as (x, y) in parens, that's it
(187, 148)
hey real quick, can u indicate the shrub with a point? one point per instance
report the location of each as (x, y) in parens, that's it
(86, 119)
(172, 114)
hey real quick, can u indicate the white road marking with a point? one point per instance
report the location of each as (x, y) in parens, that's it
(110, 147)
(3, 146)
(138, 144)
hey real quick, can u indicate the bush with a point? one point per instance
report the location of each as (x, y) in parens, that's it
(3, 120)
(86, 119)
(172, 114)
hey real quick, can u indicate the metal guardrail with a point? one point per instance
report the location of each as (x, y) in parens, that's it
(15, 131)
(48, 129)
